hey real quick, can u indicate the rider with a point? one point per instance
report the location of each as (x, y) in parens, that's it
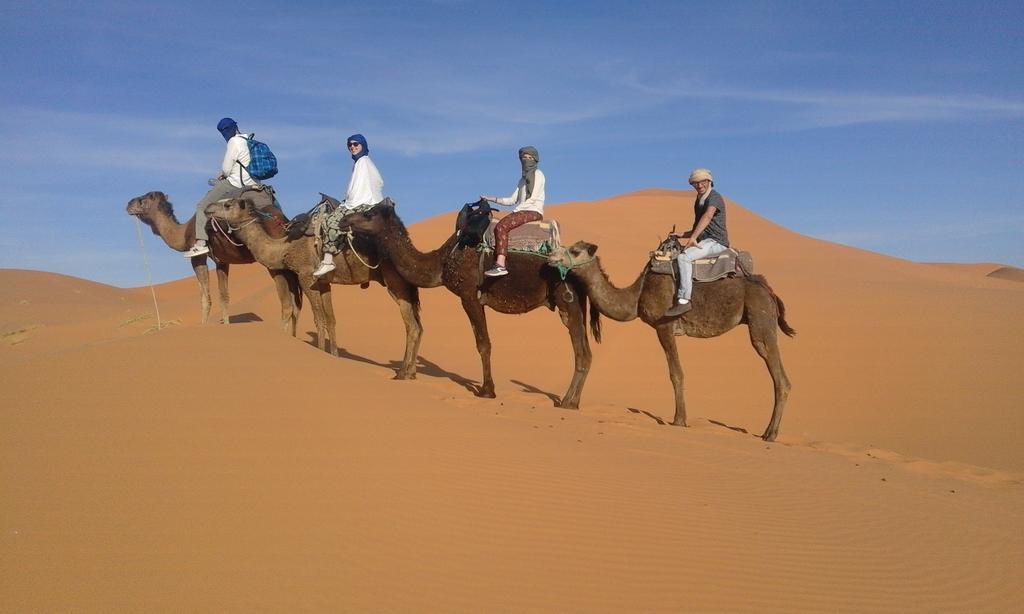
(528, 200)
(365, 187)
(707, 238)
(232, 177)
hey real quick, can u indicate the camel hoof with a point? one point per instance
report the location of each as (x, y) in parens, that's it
(403, 375)
(575, 406)
(486, 394)
(679, 423)
(769, 436)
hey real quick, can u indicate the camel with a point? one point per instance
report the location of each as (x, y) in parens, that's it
(529, 284)
(718, 307)
(353, 266)
(157, 212)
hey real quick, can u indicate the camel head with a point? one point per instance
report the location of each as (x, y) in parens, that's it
(371, 221)
(577, 254)
(234, 211)
(146, 205)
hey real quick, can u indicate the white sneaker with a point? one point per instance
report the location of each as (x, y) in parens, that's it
(197, 250)
(323, 269)
(497, 271)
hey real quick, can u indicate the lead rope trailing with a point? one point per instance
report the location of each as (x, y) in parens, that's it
(149, 274)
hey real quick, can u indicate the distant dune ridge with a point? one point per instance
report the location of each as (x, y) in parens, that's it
(233, 467)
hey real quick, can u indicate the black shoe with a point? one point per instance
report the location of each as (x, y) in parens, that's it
(678, 309)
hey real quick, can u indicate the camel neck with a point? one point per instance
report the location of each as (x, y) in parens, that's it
(266, 250)
(170, 230)
(621, 304)
(418, 268)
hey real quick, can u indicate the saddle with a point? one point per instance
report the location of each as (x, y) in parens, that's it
(308, 223)
(728, 264)
(263, 196)
(540, 238)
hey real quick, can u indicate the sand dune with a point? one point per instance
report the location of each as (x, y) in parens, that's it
(235, 468)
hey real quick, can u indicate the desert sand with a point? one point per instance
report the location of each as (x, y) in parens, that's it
(234, 468)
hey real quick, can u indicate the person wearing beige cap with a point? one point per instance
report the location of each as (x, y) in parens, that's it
(707, 238)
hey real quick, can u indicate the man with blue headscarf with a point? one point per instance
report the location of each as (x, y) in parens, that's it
(365, 187)
(233, 177)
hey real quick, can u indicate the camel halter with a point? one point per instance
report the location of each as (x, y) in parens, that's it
(563, 270)
(217, 228)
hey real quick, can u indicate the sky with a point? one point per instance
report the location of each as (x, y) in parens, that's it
(896, 127)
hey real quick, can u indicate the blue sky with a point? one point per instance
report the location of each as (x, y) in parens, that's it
(891, 126)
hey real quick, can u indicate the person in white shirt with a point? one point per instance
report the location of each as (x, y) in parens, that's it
(233, 177)
(528, 200)
(365, 187)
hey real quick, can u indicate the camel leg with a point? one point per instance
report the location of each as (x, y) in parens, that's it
(223, 269)
(408, 299)
(330, 324)
(478, 320)
(313, 291)
(573, 316)
(202, 272)
(667, 338)
(766, 344)
(284, 284)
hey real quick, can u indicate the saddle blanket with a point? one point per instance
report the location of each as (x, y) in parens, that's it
(731, 262)
(542, 237)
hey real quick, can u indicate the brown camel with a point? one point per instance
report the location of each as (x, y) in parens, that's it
(353, 266)
(718, 307)
(156, 212)
(529, 284)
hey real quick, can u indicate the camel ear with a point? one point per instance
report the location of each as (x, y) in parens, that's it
(591, 249)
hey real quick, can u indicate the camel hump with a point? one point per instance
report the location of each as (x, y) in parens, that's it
(542, 237)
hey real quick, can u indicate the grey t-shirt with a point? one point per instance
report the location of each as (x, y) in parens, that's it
(716, 228)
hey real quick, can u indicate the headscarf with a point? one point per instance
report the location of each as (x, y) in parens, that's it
(227, 128)
(529, 169)
(700, 174)
(358, 138)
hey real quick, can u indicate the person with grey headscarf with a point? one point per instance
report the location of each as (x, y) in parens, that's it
(706, 239)
(528, 200)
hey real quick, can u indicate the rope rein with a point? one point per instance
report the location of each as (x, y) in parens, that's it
(348, 236)
(217, 228)
(149, 273)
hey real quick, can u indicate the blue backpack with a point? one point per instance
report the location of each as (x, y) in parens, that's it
(262, 161)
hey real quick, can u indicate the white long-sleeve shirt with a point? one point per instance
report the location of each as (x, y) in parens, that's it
(237, 151)
(366, 187)
(534, 203)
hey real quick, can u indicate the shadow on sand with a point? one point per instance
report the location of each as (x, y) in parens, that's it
(531, 389)
(644, 412)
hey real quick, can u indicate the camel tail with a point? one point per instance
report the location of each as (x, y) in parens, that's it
(783, 325)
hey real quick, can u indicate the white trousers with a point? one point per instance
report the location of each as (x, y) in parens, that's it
(705, 249)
